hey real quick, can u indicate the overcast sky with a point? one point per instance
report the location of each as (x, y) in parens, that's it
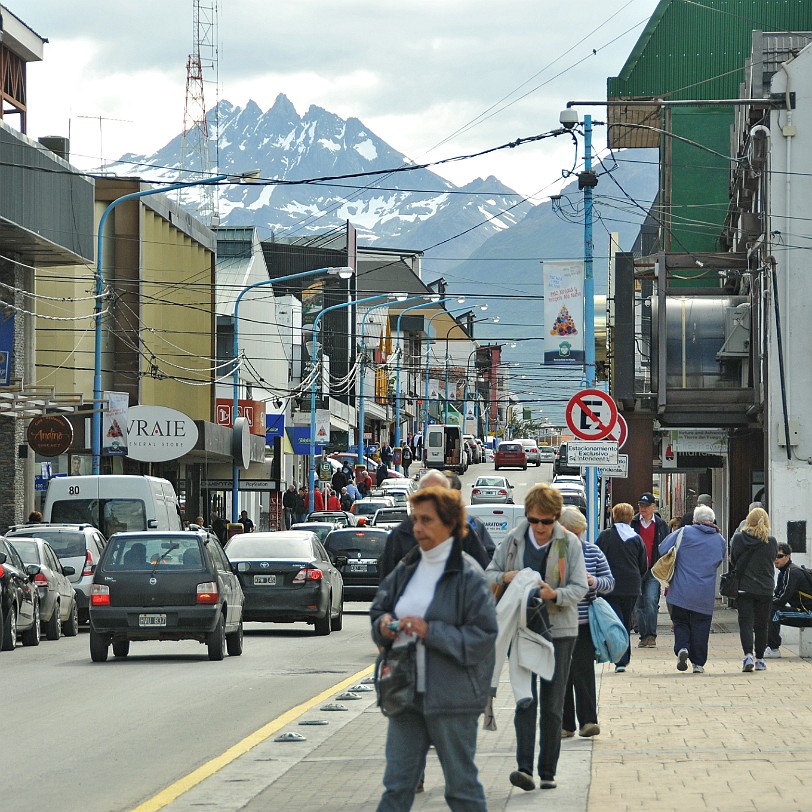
(416, 72)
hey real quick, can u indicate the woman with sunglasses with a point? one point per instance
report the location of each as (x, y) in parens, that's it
(542, 544)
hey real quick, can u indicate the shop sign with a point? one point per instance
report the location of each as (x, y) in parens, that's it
(50, 435)
(159, 434)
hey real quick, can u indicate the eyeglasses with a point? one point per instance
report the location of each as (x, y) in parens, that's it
(781, 555)
(533, 520)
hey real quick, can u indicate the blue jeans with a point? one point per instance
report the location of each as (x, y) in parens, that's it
(550, 719)
(407, 742)
(647, 605)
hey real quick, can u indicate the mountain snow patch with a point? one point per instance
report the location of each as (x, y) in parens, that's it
(331, 145)
(366, 149)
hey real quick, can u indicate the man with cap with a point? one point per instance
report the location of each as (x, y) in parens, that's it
(652, 528)
(703, 499)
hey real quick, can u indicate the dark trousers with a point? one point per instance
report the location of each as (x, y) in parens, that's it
(580, 695)
(691, 632)
(624, 609)
(549, 721)
(754, 617)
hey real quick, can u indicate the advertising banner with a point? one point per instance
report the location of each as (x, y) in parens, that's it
(252, 410)
(322, 426)
(274, 425)
(564, 312)
(6, 348)
(114, 424)
(299, 437)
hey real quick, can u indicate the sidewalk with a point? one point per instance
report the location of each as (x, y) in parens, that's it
(722, 740)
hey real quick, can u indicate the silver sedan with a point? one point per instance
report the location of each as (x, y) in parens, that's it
(490, 490)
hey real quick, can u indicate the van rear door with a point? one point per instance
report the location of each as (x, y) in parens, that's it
(498, 519)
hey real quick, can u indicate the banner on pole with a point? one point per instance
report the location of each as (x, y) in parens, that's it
(114, 424)
(564, 312)
(322, 426)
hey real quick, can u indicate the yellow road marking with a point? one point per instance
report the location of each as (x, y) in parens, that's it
(182, 785)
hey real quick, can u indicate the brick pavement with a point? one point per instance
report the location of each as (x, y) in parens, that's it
(722, 740)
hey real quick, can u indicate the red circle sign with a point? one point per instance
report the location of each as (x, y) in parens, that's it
(619, 432)
(591, 414)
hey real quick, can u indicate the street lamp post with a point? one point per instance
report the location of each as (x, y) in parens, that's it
(342, 273)
(312, 478)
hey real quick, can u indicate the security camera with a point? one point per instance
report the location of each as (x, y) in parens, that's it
(568, 118)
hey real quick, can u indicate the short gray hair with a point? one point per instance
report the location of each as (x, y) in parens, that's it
(754, 505)
(703, 513)
(433, 479)
(572, 519)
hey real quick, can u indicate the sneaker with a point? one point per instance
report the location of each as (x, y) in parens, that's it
(772, 653)
(619, 669)
(522, 780)
(682, 657)
(748, 664)
(651, 641)
(643, 642)
(567, 734)
(589, 729)
(761, 665)
(699, 669)
(421, 787)
(547, 783)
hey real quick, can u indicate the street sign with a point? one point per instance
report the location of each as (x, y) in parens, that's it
(619, 471)
(591, 414)
(590, 453)
(619, 432)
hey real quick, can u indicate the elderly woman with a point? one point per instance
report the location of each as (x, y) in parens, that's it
(543, 545)
(438, 598)
(693, 587)
(626, 554)
(582, 671)
(752, 553)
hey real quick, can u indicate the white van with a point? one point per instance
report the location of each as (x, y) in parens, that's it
(113, 503)
(498, 519)
(445, 449)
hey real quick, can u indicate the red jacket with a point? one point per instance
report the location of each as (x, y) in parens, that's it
(318, 500)
(333, 503)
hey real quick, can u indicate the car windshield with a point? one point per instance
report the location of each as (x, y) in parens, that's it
(28, 550)
(362, 508)
(109, 515)
(66, 543)
(369, 542)
(251, 545)
(391, 515)
(490, 482)
(510, 447)
(151, 552)
(321, 530)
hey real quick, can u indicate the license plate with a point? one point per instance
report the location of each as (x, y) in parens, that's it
(358, 567)
(264, 580)
(152, 620)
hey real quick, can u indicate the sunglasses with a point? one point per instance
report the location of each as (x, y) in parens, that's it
(540, 521)
(781, 555)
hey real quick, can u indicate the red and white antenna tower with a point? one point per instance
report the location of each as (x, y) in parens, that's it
(199, 138)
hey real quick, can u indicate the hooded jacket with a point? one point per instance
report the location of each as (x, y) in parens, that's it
(626, 558)
(758, 577)
(700, 553)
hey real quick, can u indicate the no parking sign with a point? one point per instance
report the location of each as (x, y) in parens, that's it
(591, 414)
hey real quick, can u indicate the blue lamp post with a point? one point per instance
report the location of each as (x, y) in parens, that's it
(342, 273)
(312, 479)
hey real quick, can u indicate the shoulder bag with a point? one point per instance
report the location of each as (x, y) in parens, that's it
(663, 568)
(396, 678)
(730, 580)
(609, 636)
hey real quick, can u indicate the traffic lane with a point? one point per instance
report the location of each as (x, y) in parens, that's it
(522, 481)
(111, 735)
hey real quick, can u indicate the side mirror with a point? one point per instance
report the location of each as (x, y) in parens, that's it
(2, 558)
(32, 570)
(152, 524)
(510, 486)
(68, 570)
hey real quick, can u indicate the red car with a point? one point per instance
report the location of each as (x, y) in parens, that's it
(510, 455)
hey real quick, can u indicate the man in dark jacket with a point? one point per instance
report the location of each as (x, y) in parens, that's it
(339, 481)
(652, 528)
(792, 582)
(289, 505)
(381, 472)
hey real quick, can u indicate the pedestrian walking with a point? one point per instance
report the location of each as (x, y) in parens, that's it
(363, 482)
(219, 528)
(438, 601)
(703, 499)
(652, 529)
(333, 502)
(289, 505)
(406, 459)
(300, 508)
(626, 555)
(543, 545)
(752, 553)
(247, 524)
(381, 472)
(580, 696)
(793, 593)
(693, 588)
(345, 499)
(386, 453)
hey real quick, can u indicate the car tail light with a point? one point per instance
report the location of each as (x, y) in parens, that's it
(41, 580)
(89, 567)
(502, 492)
(99, 595)
(2, 572)
(475, 491)
(308, 574)
(207, 593)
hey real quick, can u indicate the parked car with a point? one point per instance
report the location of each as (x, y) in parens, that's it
(19, 599)
(321, 529)
(560, 465)
(77, 545)
(57, 600)
(546, 453)
(576, 498)
(569, 482)
(531, 449)
(400, 483)
(510, 454)
(491, 490)
(389, 517)
(475, 456)
(357, 553)
(342, 517)
(399, 497)
(288, 577)
(165, 585)
(367, 508)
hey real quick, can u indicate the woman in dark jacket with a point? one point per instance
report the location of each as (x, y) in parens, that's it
(752, 553)
(437, 598)
(626, 555)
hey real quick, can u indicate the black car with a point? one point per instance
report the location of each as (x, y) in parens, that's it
(19, 599)
(561, 465)
(174, 585)
(357, 552)
(288, 577)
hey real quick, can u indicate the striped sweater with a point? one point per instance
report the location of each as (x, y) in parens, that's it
(598, 567)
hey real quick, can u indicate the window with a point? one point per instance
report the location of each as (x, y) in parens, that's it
(28, 550)
(142, 553)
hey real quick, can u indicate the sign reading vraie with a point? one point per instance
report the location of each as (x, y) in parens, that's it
(158, 434)
(50, 434)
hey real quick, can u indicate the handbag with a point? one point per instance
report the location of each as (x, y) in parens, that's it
(729, 581)
(396, 678)
(663, 567)
(609, 636)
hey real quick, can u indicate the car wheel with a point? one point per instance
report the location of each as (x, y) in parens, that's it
(234, 642)
(121, 648)
(495, 467)
(9, 642)
(99, 643)
(538, 463)
(53, 628)
(31, 636)
(217, 640)
(323, 625)
(524, 468)
(337, 623)
(70, 628)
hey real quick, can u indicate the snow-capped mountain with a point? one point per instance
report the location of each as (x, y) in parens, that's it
(410, 209)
